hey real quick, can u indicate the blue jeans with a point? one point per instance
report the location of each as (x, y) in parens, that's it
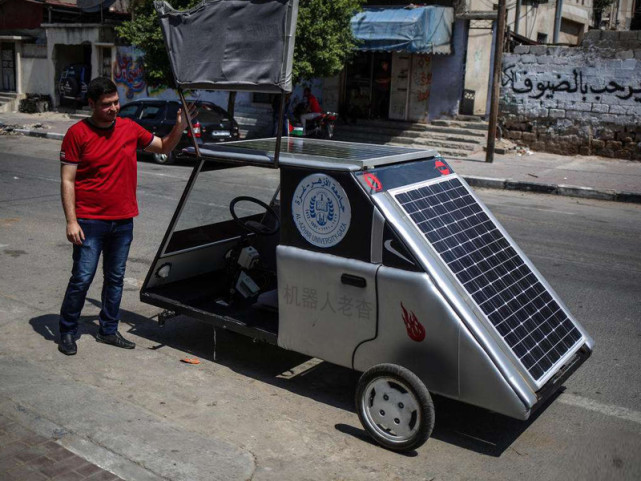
(112, 238)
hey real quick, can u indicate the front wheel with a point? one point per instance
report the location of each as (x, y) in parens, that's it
(395, 407)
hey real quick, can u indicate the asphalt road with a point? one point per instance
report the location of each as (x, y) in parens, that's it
(263, 413)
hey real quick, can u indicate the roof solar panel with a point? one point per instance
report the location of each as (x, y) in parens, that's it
(524, 313)
(316, 150)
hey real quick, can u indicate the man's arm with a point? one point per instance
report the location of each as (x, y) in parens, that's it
(68, 194)
(169, 142)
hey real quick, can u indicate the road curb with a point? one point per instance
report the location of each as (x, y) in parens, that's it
(42, 135)
(553, 189)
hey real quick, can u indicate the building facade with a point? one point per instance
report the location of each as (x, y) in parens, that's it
(39, 39)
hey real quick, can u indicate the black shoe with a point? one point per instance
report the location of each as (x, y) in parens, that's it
(115, 340)
(67, 344)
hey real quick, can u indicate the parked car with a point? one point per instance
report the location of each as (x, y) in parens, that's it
(73, 83)
(213, 124)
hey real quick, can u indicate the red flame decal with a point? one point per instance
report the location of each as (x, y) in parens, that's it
(442, 168)
(415, 329)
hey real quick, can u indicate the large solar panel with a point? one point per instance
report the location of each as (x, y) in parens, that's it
(534, 326)
(320, 149)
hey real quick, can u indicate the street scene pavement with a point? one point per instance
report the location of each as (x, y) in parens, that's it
(253, 411)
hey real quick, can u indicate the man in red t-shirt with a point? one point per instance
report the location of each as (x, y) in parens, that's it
(98, 187)
(313, 108)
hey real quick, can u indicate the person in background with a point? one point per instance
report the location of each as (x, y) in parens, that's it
(313, 108)
(98, 188)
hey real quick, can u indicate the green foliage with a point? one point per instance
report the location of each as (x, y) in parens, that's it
(324, 39)
(144, 32)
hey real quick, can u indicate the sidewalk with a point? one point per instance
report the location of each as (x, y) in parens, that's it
(27, 456)
(577, 176)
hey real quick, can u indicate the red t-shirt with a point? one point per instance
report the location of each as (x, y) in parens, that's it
(107, 172)
(314, 106)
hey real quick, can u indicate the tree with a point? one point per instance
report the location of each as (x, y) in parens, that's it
(324, 38)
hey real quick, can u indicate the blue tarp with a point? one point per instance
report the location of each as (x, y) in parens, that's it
(414, 30)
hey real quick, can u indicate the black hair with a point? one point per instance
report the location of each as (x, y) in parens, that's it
(100, 86)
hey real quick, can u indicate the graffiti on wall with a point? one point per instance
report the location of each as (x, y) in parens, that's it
(522, 83)
(129, 72)
(420, 86)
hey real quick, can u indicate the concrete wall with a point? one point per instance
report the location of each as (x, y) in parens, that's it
(535, 18)
(448, 72)
(33, 80)
(478, 67)
(576, 100)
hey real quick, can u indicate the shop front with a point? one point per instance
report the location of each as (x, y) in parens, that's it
(391, 75)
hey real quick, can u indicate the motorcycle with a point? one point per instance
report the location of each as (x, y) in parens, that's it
(321, 127)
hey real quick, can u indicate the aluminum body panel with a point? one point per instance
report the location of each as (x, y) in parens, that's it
(319, 315)
(376, 248)
(455, 295)
(482, 384)
(406, 298)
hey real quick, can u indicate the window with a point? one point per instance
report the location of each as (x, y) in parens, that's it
(172, 110)
(129, 110)
(151, 112)
(542, 37)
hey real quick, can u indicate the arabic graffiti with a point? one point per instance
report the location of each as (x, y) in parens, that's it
(576, 84)
(129, 72)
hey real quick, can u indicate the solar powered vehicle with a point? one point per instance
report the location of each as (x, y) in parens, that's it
(377, 258)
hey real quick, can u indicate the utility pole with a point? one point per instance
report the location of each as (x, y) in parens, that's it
(557, 21)
(496, 82)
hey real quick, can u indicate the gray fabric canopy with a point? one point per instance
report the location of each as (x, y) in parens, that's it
(231, 44)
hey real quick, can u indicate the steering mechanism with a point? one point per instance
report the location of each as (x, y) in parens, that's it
(259, 228)
(243, 261)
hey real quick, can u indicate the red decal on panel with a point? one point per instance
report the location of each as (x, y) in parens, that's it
(373, 182)
(415, 329)
(442, 168)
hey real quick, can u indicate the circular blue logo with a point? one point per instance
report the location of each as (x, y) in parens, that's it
(321, 210)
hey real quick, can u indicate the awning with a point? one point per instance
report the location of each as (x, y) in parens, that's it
(415, 30)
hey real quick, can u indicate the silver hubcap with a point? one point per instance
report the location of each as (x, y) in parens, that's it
(161, 157)
(391, 409)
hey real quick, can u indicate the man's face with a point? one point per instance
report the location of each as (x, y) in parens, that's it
(106, 108)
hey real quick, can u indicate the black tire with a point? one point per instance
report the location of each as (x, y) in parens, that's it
(164, 159)
(395, 407)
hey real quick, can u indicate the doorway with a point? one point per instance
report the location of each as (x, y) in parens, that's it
(7, 67)
(367, 86)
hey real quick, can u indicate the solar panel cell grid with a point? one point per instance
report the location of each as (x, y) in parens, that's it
(493, 273)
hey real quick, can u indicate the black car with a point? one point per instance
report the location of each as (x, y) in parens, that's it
(213, 123)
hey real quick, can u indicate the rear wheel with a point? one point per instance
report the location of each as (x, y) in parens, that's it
(164, 158)
(395, 407)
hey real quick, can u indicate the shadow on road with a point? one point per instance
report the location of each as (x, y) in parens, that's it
(460, 424)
